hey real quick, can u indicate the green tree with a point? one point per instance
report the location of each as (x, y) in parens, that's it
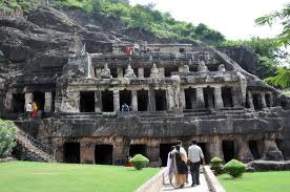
(7, 137)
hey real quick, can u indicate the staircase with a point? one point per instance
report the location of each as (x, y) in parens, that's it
(31, 149)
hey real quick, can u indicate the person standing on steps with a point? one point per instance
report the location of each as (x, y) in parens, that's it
(180, 159)
(195, 158)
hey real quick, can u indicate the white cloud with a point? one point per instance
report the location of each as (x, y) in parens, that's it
(233, 18)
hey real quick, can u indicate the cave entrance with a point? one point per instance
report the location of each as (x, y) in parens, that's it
(147, 72)
(71, 152)
(227, 96)
(189, 98)
(125, 98)
(164, 150)
(142, 100)
(160, 100)
(39, 99)
(208, 97)
(107, 101)
(87, 101)
(137, 149)
(18, 103)
(257, 101)
(254, 148)
(104, 154)
(169, 70)
(204, 147)
(228, 150)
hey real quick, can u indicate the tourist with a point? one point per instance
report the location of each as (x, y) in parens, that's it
(124, 108)
(195, 157)
(34, 110)
(28, 110)
(171, 165)
(180, 159)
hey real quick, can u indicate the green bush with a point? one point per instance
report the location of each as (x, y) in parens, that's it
(235, 168)
(7, 137)
(216, 165)
(139, 161)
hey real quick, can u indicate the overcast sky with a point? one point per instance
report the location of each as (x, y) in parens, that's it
(233, 18)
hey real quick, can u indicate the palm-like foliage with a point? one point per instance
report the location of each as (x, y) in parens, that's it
(281, 79)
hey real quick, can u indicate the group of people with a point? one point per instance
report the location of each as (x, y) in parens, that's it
(179, 163)
(31, 110)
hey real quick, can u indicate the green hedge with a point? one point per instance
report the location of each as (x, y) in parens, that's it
(7, 137)
(235, 168)
(139, 161)
(216, 165)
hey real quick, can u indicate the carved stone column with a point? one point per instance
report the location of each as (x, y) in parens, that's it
(8, 103)
(199, 97)
(153, 153)
(87, 152)
(250, 100)
(120, 72)
(161, 72)
(170, 100)
(263, 100)
(218, 97)
(141, 72)
(116, 98)
(48, 102)
(237, 96)
(272, 152)
(28, 98)
(134, 100)
(182, 99)
(98, 101)
(152, 104)
(244, 153)
(120, 151)
(215, 147)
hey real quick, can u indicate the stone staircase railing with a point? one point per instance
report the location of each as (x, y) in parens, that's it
(34, 149)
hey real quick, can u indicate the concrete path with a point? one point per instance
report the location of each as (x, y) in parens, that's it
(200, 188)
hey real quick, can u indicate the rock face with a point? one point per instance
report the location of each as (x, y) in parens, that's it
(101, 98)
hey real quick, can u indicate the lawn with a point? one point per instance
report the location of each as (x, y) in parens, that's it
(258, 182)
(53, 177)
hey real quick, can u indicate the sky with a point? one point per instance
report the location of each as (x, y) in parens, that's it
(233, 18)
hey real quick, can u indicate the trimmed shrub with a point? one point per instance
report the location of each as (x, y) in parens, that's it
(235, 168)
(7, 137)
(216, 164)
(139, 161)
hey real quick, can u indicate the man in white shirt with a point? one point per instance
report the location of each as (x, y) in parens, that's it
(195, 157)
(28, 109)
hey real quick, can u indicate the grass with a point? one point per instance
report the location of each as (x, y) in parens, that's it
(258, 182)
(44, 177)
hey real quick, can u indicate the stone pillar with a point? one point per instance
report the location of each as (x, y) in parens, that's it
(215, 147)
(116, 101)
(8, 103)
(244, 153)
(263, 100)
(134, 100)
(218, 97)
(153, 153)
(237, 96)
(87, 152)
(120, 72)
(98, 101)
(199, 97)
(28, 98)
(161, 72)
(151, 104)
(250, 100)
(272, 152)
(182, 99)
(170, 100)
(141, 72)
(48, 102)
(120, 151)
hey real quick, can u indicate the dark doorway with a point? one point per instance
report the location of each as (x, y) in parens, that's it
(227, 96)
(137, 149)
(87, 101)
(104, 154)
(282, 146)
(125, 98)
(253, 145)
(209, 97)
(268, 100)
(147, 72)
(164, 150)
(257, 101)
(160, 100)
(18, 103)
(39, 99)
(169, 70)
(114, 72)
(107, 101)
(189, 98)
(204, 148)
(142, 100)
(228, 150)
(71, 152)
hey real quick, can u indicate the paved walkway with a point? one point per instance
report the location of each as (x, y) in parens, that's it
(200, 188)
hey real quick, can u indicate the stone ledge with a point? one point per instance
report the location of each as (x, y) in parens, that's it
(154, 184)
(213, 183)
(3, 160)
(263, 165)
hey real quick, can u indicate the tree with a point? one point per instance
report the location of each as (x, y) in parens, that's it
(7, 137)
(282, 17)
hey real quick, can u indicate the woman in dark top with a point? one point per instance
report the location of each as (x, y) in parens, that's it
(182, 170)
